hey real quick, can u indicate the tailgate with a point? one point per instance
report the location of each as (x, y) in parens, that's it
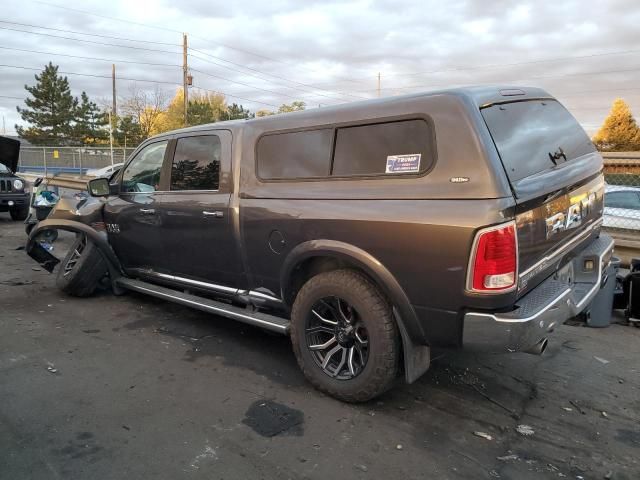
(555, 174)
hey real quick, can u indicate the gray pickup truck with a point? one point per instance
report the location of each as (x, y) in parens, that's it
(369, 232)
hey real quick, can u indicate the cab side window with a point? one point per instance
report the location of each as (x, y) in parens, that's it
(143, 172)
(196, 163)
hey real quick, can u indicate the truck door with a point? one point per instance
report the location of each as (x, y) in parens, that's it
(132, 217)
(198, 235)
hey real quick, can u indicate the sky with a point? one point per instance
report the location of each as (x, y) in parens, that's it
(263, 54)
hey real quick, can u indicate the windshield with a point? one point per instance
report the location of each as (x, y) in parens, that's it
(4, 169)
(535, 135)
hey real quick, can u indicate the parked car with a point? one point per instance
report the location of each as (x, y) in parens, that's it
(622, 207)
(369, 233)
(104, 172)
(14, 197)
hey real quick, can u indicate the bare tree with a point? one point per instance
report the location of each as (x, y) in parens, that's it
(145, 107)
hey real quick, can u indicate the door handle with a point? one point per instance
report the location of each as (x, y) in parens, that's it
(216, 214)
(147, 211)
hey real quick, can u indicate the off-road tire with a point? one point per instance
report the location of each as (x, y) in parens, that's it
(19, 214)
(87, 271)
(375, 312)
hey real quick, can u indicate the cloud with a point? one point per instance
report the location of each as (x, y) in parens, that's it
(285, 46)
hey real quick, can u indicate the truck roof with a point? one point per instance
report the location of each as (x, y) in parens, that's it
(478, 95)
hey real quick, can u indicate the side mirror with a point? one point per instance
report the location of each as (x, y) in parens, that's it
(98, 187)
(37, 182)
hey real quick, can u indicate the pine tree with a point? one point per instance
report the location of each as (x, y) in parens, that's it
(50, 112)
(619, 132)
(90, 123)
(128, 132)
(235, 112)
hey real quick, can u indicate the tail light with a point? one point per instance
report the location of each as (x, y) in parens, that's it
(493, 266)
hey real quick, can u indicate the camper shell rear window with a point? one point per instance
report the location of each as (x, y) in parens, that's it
(535, 135)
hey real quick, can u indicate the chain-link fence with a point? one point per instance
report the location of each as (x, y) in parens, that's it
(72, 160)
(622, 193)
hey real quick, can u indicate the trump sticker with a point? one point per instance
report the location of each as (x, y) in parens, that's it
(403, 163)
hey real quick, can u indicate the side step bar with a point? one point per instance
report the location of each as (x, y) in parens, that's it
(258, 319)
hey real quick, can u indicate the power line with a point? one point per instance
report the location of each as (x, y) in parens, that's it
(140, 80)
(105, 16)
(235, 96)
(512, 64)
(88, 41)
(93, 75)
(177, 31)
(90, 34)
(603, 72)
(242, 83)
(255, 76)
(91, 58)
(154, 50)
(277, 76)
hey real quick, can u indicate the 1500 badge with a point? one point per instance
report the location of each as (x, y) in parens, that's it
(571, 218)
(113, 227)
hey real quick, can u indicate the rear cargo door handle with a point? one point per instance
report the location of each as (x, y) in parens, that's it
(147, 211)
(216, 214)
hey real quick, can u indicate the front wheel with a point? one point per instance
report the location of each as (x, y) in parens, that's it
(344, 336)
(82, 269)
(19, 213)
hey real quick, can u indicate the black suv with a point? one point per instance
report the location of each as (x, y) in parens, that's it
(13, 195)
(369, 232)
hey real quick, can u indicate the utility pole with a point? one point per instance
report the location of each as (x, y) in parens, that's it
(114, 110)
(185, 76)
(378, 84)
(111, 136)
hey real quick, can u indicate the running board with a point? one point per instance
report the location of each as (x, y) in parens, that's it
(258, 319)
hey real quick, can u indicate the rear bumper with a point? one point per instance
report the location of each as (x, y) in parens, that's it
(539, 312)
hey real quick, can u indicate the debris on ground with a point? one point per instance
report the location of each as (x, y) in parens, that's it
(399, 447)
(362, 468)
(603, 361)
(36, 269)
(525, 430)
(604, 414)
(483, 435)
(52, 369)
(567, 409)
(508, 458)
(575, 404)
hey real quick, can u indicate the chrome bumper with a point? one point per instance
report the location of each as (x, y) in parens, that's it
(539, 312)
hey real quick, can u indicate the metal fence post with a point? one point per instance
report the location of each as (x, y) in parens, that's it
(80, 160)
(44, 160)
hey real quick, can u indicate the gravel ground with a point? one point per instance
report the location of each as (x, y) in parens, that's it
(131, 387)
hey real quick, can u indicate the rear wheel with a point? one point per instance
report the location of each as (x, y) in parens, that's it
(82, 269)
(344, 336)
(19, 213)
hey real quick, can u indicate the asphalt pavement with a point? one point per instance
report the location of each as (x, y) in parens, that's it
(132, 387)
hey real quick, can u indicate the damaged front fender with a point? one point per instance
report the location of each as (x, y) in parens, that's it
(36, 251)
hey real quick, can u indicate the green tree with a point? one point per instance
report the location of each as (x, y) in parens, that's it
(293, 107)
(619, 132)
(235, 112)
(201, 112)
(90, 123)
(50, 112)
(128, 132)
